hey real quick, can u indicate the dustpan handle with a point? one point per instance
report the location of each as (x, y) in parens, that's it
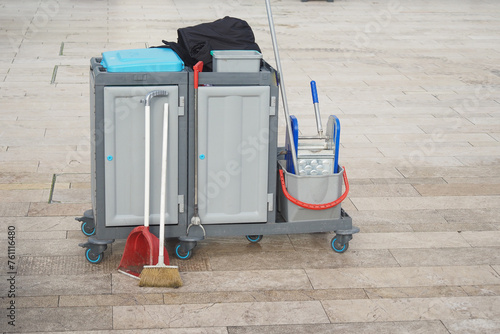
(197, 68)
(314, 206)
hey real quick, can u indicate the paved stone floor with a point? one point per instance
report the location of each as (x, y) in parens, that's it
(416, 85)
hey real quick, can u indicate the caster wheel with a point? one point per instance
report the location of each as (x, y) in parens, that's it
(87, 230)
(93, 258)
(338, 247)
(254, 238)
(182, 255)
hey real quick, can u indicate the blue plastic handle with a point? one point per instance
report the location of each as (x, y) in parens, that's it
(336, 136)
(314, 92)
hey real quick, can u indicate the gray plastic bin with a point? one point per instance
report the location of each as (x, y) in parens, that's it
(236, 61)
(317, 189)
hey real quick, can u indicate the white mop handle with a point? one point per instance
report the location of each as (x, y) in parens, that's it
(282, 86)
(163, 185)
(147, 139)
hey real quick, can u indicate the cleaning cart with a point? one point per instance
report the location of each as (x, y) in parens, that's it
(225, 176)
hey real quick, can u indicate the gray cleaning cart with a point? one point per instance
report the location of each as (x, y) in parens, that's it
(238, 185)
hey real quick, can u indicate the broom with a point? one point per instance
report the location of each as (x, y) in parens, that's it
(161, 275)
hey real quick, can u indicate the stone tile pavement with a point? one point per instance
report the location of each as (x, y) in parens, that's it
(416, 85)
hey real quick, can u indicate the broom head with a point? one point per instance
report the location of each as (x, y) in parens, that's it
(160, 276)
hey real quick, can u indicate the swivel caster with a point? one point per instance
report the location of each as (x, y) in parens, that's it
(88, 225)
(88, 229)
(340, 242)
(338, 246)
(94, 249)
(93, 258)
(254, 238)
(184, 249)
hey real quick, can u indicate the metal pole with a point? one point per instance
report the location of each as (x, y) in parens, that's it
(282, 86)
(314, 92)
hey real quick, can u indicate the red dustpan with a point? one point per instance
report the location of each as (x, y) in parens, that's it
(142, 247)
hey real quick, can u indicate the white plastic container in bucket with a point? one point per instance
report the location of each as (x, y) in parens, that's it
(236, 60)
(317, 189)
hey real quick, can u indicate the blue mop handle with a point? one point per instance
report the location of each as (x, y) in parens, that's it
(314, 93)
(336, 136)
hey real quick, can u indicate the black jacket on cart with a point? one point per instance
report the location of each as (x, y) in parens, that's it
(195, 43)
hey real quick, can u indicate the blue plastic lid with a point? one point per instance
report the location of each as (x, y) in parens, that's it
(142, 60)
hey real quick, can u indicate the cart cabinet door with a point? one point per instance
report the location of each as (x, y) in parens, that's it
(124, 135)
(233, 154)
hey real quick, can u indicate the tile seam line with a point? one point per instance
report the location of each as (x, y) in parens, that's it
(308, 279)
(495, 270)
(394, 257)
(330, 321)
(446, 328)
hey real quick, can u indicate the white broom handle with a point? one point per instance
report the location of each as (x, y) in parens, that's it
(163, 185)
(147, 139)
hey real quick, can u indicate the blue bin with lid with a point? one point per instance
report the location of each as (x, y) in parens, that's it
(142, 60)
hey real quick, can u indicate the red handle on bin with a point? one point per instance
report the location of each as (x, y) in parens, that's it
(314, 206)
(197, 69)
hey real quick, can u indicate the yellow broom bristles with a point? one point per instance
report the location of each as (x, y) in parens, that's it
(160, 276)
